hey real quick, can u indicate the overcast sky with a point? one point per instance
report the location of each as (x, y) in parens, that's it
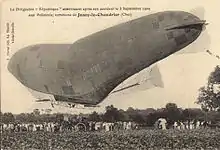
(182, 74)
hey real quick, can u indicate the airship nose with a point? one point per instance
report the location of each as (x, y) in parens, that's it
(190, 24)
(19, 63)
(194, 21)
(187, 21)
(13, 64)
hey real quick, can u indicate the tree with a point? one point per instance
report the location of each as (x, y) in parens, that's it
(21, 118)
(152, 118)
(94, 117)
(59, 117)
(138, 118)
(8, 118)
(48, 111)
(173, 113)
(123, 116)
(111, 114)
(214, 77)
(136, 115)
(209, 96)
(171, 106)
(193, 113)
(36, 112)
(31, 117)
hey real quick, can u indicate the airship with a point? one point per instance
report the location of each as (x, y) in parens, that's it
(88, 70)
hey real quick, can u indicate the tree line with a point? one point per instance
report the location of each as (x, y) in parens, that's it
(145, 117)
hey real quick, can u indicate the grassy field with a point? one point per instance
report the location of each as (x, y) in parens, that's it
(136, 139)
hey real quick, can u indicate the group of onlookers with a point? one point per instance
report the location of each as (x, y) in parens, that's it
(67, 126)
(96, 126)
(195, 124)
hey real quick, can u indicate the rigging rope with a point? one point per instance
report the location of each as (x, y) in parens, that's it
(214, 55)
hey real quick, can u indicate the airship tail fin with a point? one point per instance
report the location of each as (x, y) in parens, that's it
(144, 80)
(155, 77)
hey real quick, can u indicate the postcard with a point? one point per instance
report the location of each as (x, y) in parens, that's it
(110, 74)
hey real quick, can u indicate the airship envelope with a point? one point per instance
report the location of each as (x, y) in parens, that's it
(86, 71)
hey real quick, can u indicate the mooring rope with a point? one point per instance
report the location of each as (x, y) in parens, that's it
(212, 54)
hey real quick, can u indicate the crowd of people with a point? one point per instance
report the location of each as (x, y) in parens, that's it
(181, 125)
(67, 126)
(95, 126)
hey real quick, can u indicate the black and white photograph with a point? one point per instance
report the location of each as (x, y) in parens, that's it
(110, 75)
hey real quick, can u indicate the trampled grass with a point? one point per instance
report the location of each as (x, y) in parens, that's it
(129, 139)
